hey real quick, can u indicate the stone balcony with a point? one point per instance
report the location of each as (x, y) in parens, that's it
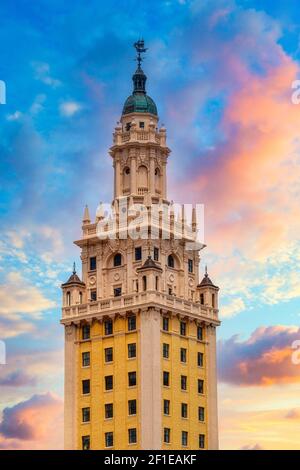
(153, 136)
(140, 300)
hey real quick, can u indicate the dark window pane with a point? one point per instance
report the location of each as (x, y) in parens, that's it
(108, 352)
(108, 327)
(131, 379)
(201, 441)
(200, 333)
(109, 439)
(170, 261)
(138, 253)
(132, 436)
(166, 349)
(200, 386)
(86, 332)
(166, 379)
(86, 359)
(183, 382)
(190, 265)
(184, 409)
(183, 328)
(109, 382)
(132, 407)
(117, 259)
(109, 410)
(132, 350)
(156, 254)
(93, 295)
(184, 438)
(201, 413)
(166, 407)
(167, 434)
(117, 291)
(182, 355)
(85, 442)
(200, 359)
(93, 263)
(131, 323)
(165, 324)
(86, 386)
(85, 415)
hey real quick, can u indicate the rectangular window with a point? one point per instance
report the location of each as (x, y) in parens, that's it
(131, 323)
(156, 254)
(184, 410)
(131, 350)
(184, 438)
(166, 379)
(132, 407)
(167, 435)
(142, 125)
(200, 386)
(108, 327)
(86, 331)
(138, 253)
(166, 349)
(109, 382)
(109, 410)
(200, 359)
(166, 407)
(213, 303)
(201, 413)
(199, 333)
(201, 441)
(93, 295)
(85, 415)
(132, 436)
(117, 291)
(191, 266)
(182, 354)
(109, 439)
(132, 379)
(165, 324)
(86, 359)
(108, 353)
(93, 263)
(202, 299)
(85, 442)
(86, 386)
(183, 382)
(183, 328)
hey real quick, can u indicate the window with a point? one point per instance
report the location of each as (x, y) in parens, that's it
(200, 359)
(117, 260)
(131, 323)
(183, 381)
(86, 331)
(144, 283)
(171, 261)
(108, 354)
(117, 291)
(127, 171)
(166, 349)
(190, 266)
(108, 327)
(167, 435)
(201, 413)
(93, 295)
(199, 333)
(184, 438)
(131, 350)
(202, 299)
(131, 379)
(132, 436)
(166, 379)
(170, 291)
(109, 410)
(138, 253)
(85, 415)
(80, 297)
(156, 283)
(182, 354)
(128, 125)
(201, 441)
(132, 407)
(166, 407)
(86, 359)
(85, 442)
(109, 439)
(213, 300)
(93, 263)
(68, 299)
(86, 386)
(165, 324)
(142, 125)
(109, 382)
(200, 386)
(184, 410)
(183, 328)
(156, 253)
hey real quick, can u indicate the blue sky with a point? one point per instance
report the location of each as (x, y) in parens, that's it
(220, 72)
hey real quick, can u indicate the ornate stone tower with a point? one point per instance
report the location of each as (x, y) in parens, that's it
(140, 330)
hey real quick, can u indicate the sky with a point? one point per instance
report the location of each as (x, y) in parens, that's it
(221, 74)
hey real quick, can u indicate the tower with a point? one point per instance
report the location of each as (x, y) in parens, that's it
(140, 330)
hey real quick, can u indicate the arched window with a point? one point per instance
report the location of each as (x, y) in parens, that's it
(144, 282)
(68, 298)
(171, 261)
(117, 259)
(143, 177)
(157, 179)
(126, 178)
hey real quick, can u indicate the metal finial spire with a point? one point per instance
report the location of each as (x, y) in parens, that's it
(140, 48)
(74, 268)
(206, 274)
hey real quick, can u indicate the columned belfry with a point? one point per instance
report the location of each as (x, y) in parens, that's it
(140, 327)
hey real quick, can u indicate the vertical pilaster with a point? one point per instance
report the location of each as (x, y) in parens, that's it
(71, 389)
(212, 399)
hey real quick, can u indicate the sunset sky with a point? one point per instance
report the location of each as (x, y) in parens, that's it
(221, 74)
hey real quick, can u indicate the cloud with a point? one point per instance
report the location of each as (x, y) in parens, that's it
(17, 379)
(69, 108)
(263, 359)
(36, 423)
(42, 73)
(293, 414)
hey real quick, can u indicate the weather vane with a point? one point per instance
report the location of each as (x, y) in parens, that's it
(140, 48)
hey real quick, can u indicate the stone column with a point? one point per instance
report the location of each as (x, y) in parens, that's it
(117, 177)
(150, 380)
(71, 389)
(133, 175)
(212, 399)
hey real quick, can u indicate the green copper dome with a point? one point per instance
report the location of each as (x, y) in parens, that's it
(139, 102)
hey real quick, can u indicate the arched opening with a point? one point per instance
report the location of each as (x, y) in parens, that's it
(144, 283)
(171, 262)
(126, 179)
(117, 259)
(157, 178)
(143, 178)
